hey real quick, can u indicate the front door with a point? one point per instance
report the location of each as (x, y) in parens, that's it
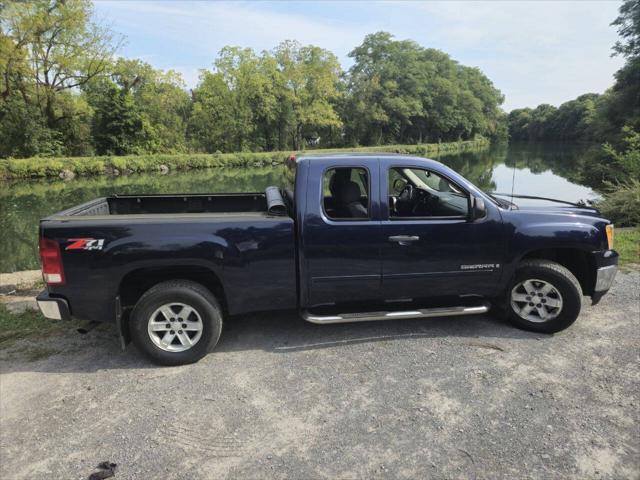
(432, 249)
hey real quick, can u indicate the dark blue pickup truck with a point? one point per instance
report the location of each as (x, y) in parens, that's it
(354, 238)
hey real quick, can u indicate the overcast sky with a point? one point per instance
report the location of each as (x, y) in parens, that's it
(534, 51)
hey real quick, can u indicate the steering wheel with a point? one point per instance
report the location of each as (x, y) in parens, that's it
(426, 204)
(407, 195)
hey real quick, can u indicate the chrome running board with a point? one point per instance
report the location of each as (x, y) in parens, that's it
(371, 316)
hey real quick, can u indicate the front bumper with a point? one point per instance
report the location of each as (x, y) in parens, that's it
(604, 278)
(607, 267)
(52, 307)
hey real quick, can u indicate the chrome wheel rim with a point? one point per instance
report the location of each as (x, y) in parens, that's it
(536, 300)
(175, 327)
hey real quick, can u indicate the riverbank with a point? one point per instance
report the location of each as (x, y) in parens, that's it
(68, 167)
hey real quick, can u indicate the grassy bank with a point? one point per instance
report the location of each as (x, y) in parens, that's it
(41, 167)
(627, 244)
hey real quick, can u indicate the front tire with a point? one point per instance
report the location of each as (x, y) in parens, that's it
(543, 297)
(176, 322)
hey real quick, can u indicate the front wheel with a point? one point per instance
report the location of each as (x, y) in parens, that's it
(543, 297)
(176, 322)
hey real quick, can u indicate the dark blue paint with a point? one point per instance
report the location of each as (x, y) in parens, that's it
(270, 263)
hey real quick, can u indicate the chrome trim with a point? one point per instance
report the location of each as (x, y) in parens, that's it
(50, 309)
(374, 316)
(604, 278)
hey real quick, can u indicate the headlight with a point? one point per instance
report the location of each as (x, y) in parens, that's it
(609, 229)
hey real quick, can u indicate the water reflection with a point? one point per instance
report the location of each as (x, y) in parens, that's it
(540, 169)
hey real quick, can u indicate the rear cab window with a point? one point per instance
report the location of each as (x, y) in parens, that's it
(345, 192)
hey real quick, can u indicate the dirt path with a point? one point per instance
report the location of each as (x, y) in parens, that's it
(279, 398)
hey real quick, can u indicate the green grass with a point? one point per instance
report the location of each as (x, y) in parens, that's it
(627, 244)
(30, 323)
(41, 167)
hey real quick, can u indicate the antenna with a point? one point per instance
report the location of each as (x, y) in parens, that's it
(513, 183)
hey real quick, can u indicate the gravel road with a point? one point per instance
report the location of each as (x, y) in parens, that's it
(463, 397)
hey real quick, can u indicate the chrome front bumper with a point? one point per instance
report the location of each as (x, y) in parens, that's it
(604, 278)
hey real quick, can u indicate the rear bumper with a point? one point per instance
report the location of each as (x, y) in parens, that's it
(52, 307)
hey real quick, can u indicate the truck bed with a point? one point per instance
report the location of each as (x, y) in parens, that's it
(243, 242)
(226, 203)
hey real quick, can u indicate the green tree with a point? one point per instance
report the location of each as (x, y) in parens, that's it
(308, 90)
(117, 124)
(402, 92)
(49, 48)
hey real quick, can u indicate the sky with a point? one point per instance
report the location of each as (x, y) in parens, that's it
(534, 51)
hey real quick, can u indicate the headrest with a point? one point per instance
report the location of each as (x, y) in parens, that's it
(349, 192)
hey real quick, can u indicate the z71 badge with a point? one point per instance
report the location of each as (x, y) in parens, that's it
(85, 244)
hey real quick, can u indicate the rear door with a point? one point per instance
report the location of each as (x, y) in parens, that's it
(432, 249)
(341, 236)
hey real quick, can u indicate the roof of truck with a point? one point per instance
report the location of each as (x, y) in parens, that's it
(360, 155)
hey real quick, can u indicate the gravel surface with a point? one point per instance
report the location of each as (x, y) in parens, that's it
(464, 397)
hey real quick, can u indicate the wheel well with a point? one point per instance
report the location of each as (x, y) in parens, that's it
(578, 262)
(135, 283)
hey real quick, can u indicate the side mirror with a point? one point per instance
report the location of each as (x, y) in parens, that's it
(478, 208)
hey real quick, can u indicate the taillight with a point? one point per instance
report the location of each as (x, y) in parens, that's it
(52, 271)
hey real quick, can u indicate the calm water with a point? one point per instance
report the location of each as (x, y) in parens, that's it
(538, 169)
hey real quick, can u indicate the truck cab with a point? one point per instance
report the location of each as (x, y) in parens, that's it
(353, 238)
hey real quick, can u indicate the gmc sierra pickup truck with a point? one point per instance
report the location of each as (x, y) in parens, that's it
(356, 238)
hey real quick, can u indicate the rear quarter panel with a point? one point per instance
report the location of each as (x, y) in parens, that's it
(253, 257)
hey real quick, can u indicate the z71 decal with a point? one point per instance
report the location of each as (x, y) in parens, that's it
(85, 244)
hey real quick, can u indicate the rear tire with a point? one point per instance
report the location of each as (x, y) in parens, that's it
(543, 296)
(176, 322)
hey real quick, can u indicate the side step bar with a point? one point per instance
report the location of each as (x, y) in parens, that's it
(370, 316)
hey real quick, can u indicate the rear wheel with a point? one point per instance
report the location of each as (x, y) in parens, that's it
(543, 297)
(176, 322)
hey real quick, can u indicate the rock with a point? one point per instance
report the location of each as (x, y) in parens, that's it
(67, 174)
(163, 169)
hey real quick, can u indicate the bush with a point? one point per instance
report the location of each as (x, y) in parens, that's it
(621, 203)
(51, 167)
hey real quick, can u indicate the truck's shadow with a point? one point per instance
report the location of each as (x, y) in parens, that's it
(277, 333)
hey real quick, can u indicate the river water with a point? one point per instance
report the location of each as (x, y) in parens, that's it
(547, 170)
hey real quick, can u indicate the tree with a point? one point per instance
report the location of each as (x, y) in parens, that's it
(310, 77)
(402, 92)
(161, 100)
(48, 49)
(628, 23)
(117, 124)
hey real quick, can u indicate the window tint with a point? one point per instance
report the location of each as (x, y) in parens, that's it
(415, 192)
(346, 193)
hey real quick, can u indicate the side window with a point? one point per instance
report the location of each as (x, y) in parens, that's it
(415, 192)
(345, 193)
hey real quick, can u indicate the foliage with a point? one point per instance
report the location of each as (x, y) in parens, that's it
(52, 167)
(621, 203)
(612, 118)
(628, 23)
(400, 91)
(64, 93)
(48, 49)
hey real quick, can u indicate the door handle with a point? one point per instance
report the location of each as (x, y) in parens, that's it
(404, 239)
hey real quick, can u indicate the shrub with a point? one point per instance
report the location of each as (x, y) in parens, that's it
(51, 167)
(621, 203)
